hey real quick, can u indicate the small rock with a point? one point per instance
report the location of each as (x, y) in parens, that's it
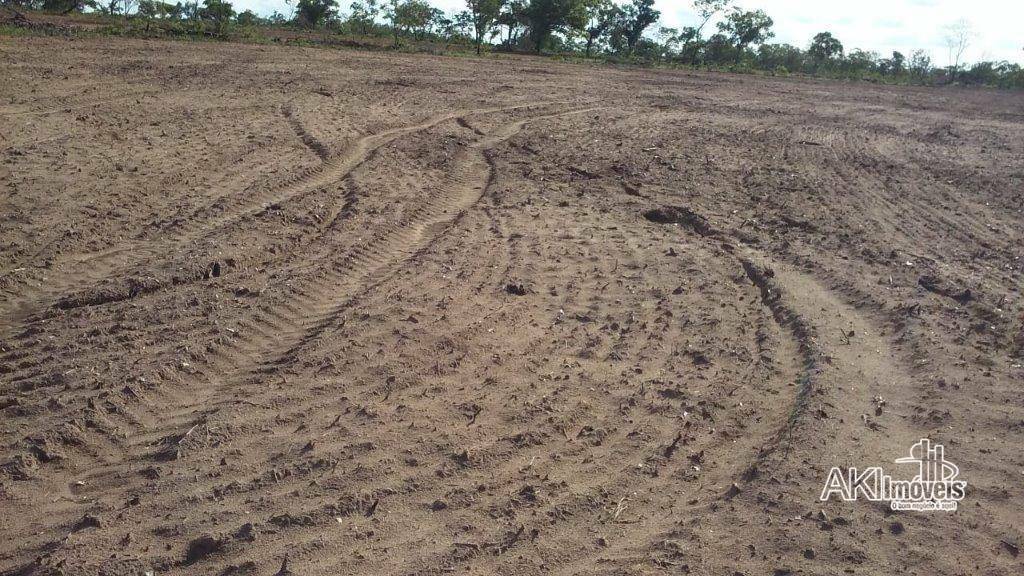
(732, 491)
(246, 532)
(528, 493)
(88, 521)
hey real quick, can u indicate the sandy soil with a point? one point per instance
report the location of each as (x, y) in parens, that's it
(272, 310)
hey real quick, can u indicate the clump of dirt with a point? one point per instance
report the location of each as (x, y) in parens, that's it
(682, 216)
(937, 286)
(202, 547)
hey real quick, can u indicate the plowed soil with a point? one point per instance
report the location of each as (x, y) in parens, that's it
(270, 310)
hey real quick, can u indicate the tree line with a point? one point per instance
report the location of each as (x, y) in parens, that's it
(627, 30)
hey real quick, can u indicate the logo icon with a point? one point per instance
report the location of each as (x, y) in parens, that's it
(935, 487)
(931, 462)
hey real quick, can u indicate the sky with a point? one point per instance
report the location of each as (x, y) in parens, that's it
(879, 25)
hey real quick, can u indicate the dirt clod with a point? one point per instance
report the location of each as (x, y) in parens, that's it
(201, 547)
(88, 521)
(682, 216)
(515, 289)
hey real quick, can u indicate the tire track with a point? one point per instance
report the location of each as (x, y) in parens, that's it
(310, 141)
(798, 352)
(862, 364)
(283, 329)
(21, 110)
(276, 334)
(90, 269)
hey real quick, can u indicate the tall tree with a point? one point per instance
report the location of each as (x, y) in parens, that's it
(364, 14)
(513, 17)
(636, 17)
(67, 6)
(394, 14)
(958, 37)
(601, 16)
(416, 15)
(548, 16)
(897, 64)
(485, 16)
(313, 13)
(706, 10)
(746, 28)
(920, 63)
(824, 47)
(219, 12)
(247, 18)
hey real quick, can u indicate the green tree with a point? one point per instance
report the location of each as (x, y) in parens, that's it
(313, 13)
(394, 15)
(720, 49)
(601, 16)
(824, 47)
(218, 12)
(691, 44)
(514, 18)
(408, 15)
(462, 24)
(746, 28)
(920, 63)
(780, 57)
(247, 18)
(420, 17)
(363, 15)
(635, 17)
(485, 16)
(895, 65)
(860, 61)
(690, 36)
(668, 38)
(190, 9)
(438, 21)
(549, 16)
(63, 6)
(156, 9)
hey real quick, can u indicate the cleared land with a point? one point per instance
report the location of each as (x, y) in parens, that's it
(389, 314)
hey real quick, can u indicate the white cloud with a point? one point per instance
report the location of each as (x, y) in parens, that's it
(879, 25)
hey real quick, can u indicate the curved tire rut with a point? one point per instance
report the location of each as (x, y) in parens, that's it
(851, 368)
(90, 269)
(275, 335)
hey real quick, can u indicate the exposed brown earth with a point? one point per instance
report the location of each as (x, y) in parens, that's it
(274, 310)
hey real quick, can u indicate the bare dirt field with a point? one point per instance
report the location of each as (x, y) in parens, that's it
(377, 313)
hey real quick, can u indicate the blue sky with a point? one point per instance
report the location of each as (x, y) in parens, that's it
(879, 25)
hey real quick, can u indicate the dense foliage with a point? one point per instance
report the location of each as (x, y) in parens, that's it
(618, 31)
